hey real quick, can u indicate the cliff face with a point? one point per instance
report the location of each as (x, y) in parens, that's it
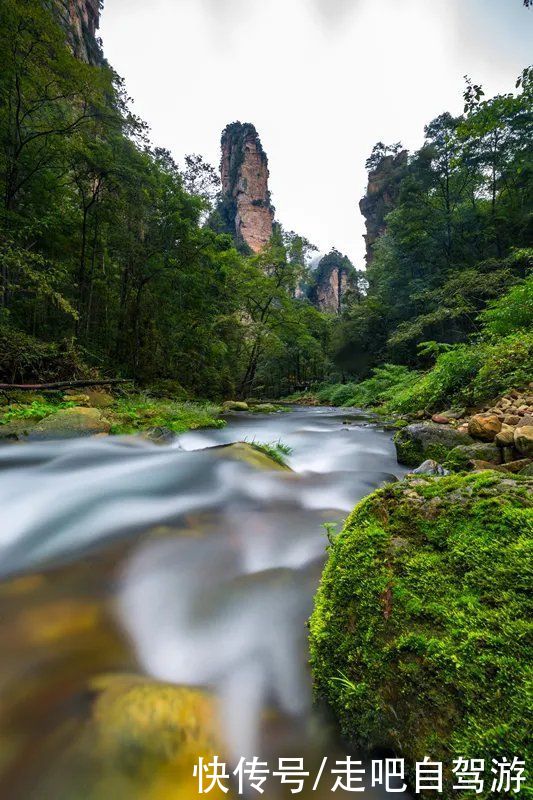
(334, 277)
(81, 20)
(245, 196)
(330, 292)
(381, 196)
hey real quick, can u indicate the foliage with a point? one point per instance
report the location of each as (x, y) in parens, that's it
(36, 410)
(105, 250)
(137, 413)
(385, 383)
(421, 634)
(457, 236)
(277, 451)
(513, 312)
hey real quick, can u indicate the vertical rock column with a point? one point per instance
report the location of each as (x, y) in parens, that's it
(245, 194)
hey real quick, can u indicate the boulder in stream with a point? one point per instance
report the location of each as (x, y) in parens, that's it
(427, 440)
(71, 423)
(419, 638)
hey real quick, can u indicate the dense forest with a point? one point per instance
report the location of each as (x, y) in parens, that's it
(107, 261)
(110, 263)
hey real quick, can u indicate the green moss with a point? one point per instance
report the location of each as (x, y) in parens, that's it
(421, 634)
(34, 411)
(134, 414)
(412, 453)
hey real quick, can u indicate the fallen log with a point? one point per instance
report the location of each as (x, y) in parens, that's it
(38, 387)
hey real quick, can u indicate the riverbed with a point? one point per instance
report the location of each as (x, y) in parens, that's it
(185, 565)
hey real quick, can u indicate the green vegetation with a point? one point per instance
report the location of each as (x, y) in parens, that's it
(449, 278)
(35, 411)
(138, 413)
(421, 634)
(277, 451)
(499, 358)
(108, 263)
(127, 414)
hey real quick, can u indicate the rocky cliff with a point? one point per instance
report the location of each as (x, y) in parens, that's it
(382, 193)
(81, 20)
(246, 206)
(335, 276)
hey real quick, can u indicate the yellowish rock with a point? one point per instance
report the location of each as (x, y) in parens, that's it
(484, 427)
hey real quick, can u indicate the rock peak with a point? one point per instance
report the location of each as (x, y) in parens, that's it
(381, 196)
(246, 200)
(81, 20)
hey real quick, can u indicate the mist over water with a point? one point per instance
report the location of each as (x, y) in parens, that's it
(218, 561)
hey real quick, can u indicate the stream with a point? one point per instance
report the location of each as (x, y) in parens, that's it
(188, 565)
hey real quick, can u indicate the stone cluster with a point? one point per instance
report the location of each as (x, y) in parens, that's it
(497, 437)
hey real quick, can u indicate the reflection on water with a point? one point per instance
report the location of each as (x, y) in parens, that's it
(130, 571)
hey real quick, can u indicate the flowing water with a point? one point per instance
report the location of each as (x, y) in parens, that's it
(129, 569)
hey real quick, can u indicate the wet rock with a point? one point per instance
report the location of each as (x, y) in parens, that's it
(523, 440)
(430, 467)
(479, 466)
(517, 466)
(143, 738)
(509, 454)
(100, 399)
(511, 419)
(15, 431)
(160, 435)
(242, 451)
(264, 408)
(69, 423)
(505, 438)
(440, 419)
(460, 458)
(527, 472)
(484, 427)
(426, 440)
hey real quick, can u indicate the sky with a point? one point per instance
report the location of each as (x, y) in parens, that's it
(322, 81)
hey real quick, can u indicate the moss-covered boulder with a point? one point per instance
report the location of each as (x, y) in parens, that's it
(70, 423)
(461, 458)
(264, 408)
(421, 634)
(251, 454)
(235, 405)
(427, 440)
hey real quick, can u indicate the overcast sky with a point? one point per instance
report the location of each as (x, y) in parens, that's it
(322, 80)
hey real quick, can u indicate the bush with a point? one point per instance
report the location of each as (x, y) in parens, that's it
(385, 383)
(470, 374)
(25, 359)
(512, 312)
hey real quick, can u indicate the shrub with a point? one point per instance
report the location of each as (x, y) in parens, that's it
(512, 312)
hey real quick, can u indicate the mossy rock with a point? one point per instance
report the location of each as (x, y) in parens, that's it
(264, 408)
(460, 457)
(69, 423)
(251, 454)
(427, 440)
(235, 405)
(139, 741)
(419, 638)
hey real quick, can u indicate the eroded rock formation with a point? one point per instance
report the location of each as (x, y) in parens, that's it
(381, 196)
(81, 20)
(246, 206)
(334, 277)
